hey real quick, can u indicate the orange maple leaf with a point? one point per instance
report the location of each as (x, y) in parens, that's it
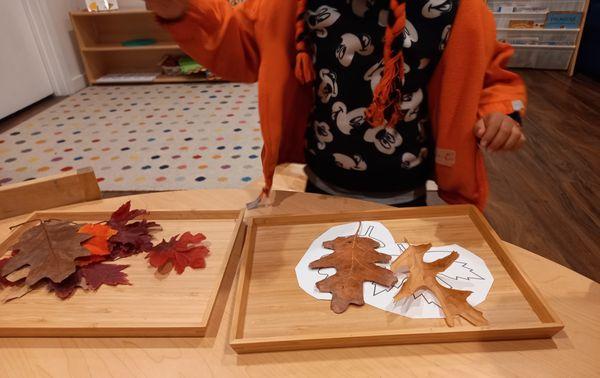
(98, 244)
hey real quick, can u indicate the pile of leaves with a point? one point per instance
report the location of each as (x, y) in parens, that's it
(64, 256)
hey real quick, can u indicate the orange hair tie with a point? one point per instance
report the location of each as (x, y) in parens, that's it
(387, 99)
(305, 71)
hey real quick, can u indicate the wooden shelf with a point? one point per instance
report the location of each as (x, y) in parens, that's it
(120, 12)
(562, 47)
(184, 79)
(108, 47)
(165, 79)
(100, 36)
(538, 30)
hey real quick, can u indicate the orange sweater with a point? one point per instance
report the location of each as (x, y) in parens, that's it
(254, 41)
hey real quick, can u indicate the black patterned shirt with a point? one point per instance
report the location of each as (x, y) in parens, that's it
(342, 149)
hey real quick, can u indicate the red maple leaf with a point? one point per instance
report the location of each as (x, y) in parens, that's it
(90, 277)
(185, 252)
(96, 275)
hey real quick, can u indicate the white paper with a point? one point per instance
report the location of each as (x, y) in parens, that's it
(468, 272)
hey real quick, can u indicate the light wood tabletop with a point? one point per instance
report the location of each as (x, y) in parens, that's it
(572, 352)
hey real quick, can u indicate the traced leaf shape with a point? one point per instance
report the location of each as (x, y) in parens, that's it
(422, 275)
(98, 244)
(96, 275)
(49, 249)
(354, 260)
(187, 251)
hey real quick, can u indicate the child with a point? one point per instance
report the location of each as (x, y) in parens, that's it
(376, 96)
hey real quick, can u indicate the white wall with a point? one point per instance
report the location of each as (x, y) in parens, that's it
(51, 26)
(66, 42)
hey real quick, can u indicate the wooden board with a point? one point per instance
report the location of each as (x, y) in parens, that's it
(272, 313)
(173, 305)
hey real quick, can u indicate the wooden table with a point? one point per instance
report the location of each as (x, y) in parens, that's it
(573, 352)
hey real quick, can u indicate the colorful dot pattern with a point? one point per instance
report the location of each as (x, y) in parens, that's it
(149, 137)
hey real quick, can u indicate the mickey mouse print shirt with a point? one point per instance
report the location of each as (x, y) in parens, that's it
(344, 153)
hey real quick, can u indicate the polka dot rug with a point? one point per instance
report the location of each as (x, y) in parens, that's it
(149, 137)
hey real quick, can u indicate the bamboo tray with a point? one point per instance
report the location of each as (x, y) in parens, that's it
(272, 313)
(173, 305)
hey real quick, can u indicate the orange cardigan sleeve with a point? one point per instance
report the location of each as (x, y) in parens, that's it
(221, 37)
(503, 90)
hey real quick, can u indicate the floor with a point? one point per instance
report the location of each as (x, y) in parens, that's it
(545, 197)
(142, 137)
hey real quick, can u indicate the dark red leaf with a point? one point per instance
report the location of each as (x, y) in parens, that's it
(182, 253)
(96, 275)
(67, 287)
(124, 214)
(132, 239)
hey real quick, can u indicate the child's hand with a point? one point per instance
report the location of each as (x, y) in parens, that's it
(499, 132)
(168, 9)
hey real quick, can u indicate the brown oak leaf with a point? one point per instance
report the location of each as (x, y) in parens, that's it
(354, 259)
(187, 251)
(49, 249)
(422, 275)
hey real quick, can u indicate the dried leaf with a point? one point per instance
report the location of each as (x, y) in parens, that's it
(96, 275)
(3, 281)
(90, 277)
(354, 259)
(422, 275)
(123, 215)
(87, 260)
(98, 244)
(131, 238)
(13, 292)
(18, 275)
(67, 287)
(49, 249)
(185, 252)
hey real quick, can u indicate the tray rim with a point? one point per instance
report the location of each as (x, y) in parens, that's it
(199, 330)
(549, 323)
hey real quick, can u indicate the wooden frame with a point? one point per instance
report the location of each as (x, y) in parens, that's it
(47, 192)
(546, 324)
(152, 324)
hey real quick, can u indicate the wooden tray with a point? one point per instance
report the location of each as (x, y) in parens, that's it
(272, 313)
(175, 305)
